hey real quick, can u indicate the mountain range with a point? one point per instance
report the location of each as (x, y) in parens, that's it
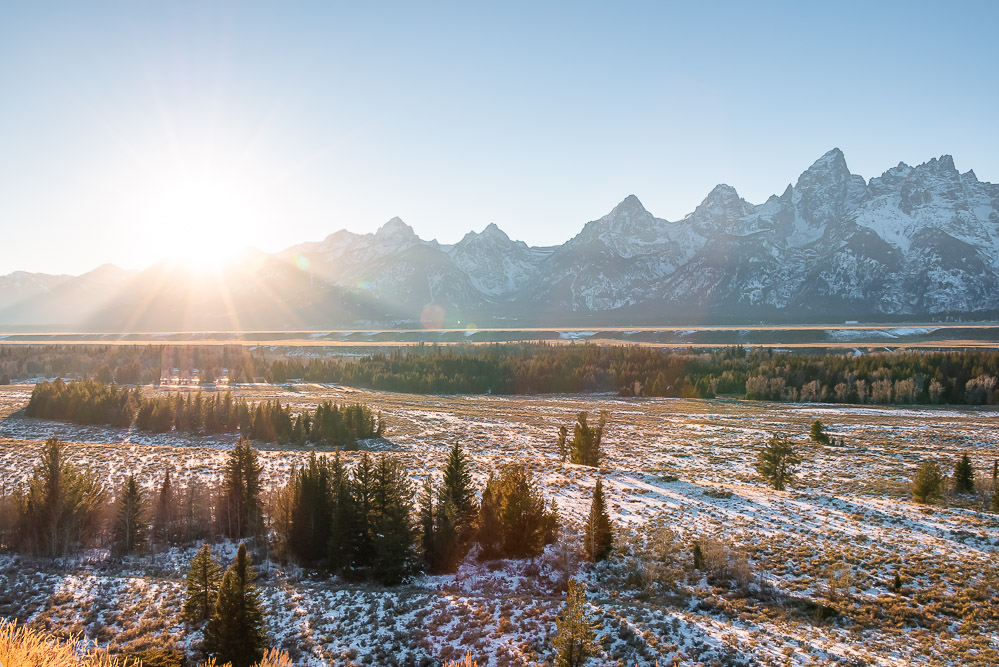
(916, 243)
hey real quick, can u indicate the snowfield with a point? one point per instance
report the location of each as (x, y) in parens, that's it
(820, 558)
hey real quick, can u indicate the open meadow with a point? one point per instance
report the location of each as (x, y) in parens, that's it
(800, 577)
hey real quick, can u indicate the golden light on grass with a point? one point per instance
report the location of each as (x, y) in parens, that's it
(23, 647)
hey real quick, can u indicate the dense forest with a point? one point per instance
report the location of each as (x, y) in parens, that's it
(197, 413)
(927, 377)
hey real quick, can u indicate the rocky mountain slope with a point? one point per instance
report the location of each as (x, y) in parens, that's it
(914, 243)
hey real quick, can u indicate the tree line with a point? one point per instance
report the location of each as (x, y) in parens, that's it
(133, 364)
(361, 521)
(198, 413)
(927, 377)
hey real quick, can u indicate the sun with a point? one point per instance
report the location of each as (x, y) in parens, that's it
(200, 219)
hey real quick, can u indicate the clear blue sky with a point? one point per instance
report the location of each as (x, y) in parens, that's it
(135, 129)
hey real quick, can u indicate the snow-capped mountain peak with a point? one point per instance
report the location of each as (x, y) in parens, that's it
(918, 241)
(397, 230)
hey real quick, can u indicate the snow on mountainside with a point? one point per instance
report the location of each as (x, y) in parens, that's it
(914, 242)
(495, 265)
(21, 286)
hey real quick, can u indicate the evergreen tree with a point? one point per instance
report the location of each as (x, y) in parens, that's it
(458, 487)
(964, 475)
(427, 520)
(777, 461)
(164, 514)
(698, 556)
(585, 446)
(240, 508)
(563, 450)
(599, 539)
(311, 510)
(489, 531)
(514, 521)
(392, 538)
(343, 526)
(927, 483)
(995, 499)
(130, 523)
(61, 506)
(362, 520)
(235, 633)
(575, 636)
(203, 576)
(455, 511)
(817, 434)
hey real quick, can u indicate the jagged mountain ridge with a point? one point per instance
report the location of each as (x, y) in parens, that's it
(918, 242)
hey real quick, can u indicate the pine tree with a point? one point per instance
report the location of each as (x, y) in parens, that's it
(202, 586)
(575, 638)
(164, 515)
(240, 507)
(235, 633)
(514, 521)
(563, 450)
(458, 486)
(817, 433)
(455, 511)
(391, 521)
(61, 506)
(698, 556)
(130, 526)
(995, 499)
(964, 475)
(598, 540)
(777, 461)
(585, 446)
(489, 531)
(311, 510)
(927, 483)
(343, 525)
(362, 524)
(427, 520)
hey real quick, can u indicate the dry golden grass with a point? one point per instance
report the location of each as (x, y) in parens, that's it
(23, 647)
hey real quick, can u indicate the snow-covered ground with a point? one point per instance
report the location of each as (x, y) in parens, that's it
(821, 557)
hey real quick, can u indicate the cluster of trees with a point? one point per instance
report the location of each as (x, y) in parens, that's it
(360, 522)
(84, 402)
(957, 377)
(64, 508)
(929, 484)
(356, 524)
(777, 462)
(94, 402)
(228, 608)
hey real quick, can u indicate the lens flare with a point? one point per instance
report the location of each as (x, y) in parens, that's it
(432, 316)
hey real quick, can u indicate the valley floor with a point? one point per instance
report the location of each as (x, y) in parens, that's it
(821, 556)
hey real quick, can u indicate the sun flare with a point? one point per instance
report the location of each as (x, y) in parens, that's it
(200, 219)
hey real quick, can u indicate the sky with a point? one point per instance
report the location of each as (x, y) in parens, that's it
(133, 131)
